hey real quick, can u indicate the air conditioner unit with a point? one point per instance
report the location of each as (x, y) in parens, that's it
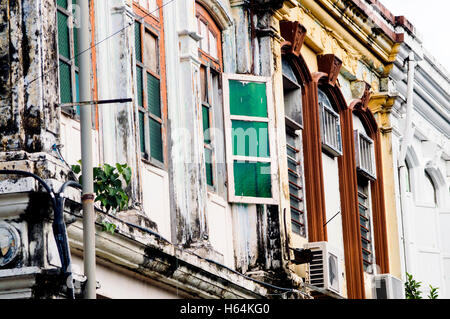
(325, 268)
(386, 286)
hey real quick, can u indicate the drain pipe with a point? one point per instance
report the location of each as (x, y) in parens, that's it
(408, 133)
(87, 197)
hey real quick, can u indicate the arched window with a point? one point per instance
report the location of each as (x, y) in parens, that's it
(365, 165)
(294, 122)
(210, 54)
(408, 177)
(429, 191)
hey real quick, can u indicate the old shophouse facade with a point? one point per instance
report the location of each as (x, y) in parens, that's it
(256, 136)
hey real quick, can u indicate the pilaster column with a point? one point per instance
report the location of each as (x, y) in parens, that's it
(187, 169)
(381, 105)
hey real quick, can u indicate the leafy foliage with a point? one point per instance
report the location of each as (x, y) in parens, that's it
(109, 189)
(109, 227)
(412, 289)
(433, 293)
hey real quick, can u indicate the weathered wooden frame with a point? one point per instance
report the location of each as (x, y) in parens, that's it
(229, 145)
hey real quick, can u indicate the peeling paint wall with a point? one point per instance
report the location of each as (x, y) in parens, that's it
(29, 98)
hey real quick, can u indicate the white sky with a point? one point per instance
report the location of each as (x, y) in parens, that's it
(431, 18)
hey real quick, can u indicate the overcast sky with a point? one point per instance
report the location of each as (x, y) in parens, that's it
(431, 18)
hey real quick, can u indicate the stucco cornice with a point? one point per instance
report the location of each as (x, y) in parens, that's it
(346, 30)
(154, 258)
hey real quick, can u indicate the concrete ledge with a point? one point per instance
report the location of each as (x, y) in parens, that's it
(18, 282)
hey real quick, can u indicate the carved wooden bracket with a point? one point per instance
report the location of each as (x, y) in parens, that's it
(294, 34)
(330, 64)
(366, 95)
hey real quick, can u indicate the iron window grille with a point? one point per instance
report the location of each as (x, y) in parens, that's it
(365, 156)
(330, 130)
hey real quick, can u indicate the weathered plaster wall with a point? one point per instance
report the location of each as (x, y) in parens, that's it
(28, 97)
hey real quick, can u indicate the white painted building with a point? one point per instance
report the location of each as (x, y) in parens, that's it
(422, 137)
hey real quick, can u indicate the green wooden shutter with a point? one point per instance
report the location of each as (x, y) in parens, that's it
(62, 3)
(156, 149)
(65, 83)
(142, 130)
(63, 35)
(139, 87)
(248, 116)
(209, 167)
(153, 95)
(137, 41)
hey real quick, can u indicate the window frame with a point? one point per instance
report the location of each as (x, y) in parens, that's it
(292, 128)
(226, 77)
(149, 23)
(371, 240)
(210, 108)
(371, 175)
(211, 65)
(70, 61)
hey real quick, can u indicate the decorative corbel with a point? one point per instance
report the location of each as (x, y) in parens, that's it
(331, 65)
(381, 105)
(294, 34)
(361, 92)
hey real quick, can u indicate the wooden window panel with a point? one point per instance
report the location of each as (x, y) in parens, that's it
(68, 60)
(151, 55)
(251, 171)
(150, 81)
(210, 69)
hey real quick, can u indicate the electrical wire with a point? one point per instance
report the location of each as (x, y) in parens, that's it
(146, 230)
(140, 19)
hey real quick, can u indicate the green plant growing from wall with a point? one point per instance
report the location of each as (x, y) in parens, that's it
(109, 189)
(412, 289)
(433, 293)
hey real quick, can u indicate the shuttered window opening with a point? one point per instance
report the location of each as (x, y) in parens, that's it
(209, 52)
(148, 94)
(330, 126)
(248, 113)
(207, 78)
(365, 229)
(68, 62)
(292, 91)
(295, 182)
(365, 155)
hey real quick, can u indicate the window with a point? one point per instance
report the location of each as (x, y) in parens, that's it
(293, 119)
(68, 62)
(149, 82)
(330, 127)
(365, 225)
(408, 177)
(210, 44)
(365, 156)
(149, 5)
(248, 109)
(210, 70)
(429, 191)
